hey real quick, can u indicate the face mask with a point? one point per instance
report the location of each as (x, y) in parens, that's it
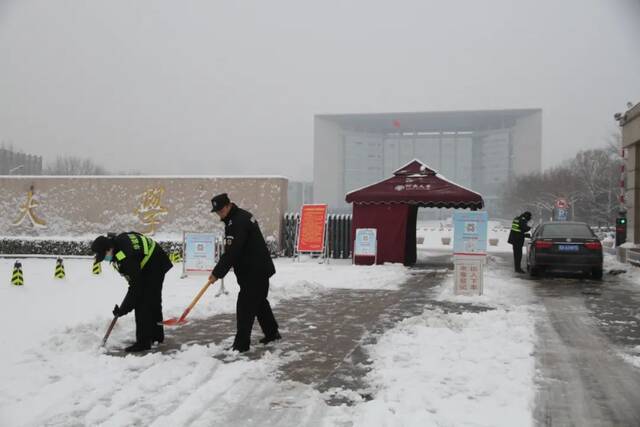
(108, 258)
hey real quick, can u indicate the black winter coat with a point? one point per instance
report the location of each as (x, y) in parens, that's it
(127, 257)
(245, 249)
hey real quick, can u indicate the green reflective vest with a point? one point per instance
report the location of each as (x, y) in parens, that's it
(148, 246)
(515, 225)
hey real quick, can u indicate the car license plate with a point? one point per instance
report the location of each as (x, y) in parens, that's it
(568, 248)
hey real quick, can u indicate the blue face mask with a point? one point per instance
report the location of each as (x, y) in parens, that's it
(108, 258)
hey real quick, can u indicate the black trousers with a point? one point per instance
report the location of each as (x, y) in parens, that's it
(148, 310)
(517, 257)
(252, 302)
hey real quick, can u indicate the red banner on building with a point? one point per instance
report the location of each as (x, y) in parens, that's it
(312, 228)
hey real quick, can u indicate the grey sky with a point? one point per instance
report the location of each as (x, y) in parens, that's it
(194, 87)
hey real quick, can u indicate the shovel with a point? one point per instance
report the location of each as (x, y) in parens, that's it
(182, 320)
(106, 336)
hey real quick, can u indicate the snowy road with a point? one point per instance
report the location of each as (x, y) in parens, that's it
(584, 381)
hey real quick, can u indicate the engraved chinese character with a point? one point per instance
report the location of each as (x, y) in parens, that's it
(26, 211)
(150, 209)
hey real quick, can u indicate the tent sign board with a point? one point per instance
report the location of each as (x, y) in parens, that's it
(200, 252)
(469, 251)
(312, 229)
(366, 243)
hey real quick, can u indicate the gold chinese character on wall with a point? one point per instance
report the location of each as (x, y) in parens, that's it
(26, 211)
(150, 210)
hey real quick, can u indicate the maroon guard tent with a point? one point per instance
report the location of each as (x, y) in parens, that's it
(391, 207)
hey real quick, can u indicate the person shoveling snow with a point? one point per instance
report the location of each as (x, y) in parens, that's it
(143, 263)
(247, 253)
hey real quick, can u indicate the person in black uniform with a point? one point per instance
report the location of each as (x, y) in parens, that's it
(519, 230)
(247, 252)
(144, 264)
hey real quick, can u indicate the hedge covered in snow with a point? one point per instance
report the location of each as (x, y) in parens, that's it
(18, 246)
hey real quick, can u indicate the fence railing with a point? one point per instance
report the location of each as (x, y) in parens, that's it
(338, 235)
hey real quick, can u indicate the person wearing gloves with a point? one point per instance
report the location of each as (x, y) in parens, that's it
(143, 263)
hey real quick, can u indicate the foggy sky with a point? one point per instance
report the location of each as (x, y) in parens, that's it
(204, 87)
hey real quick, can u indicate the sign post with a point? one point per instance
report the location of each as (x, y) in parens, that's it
(366, 244)
(561, 210)
(469, 251)
(312, 230)
(201, 253)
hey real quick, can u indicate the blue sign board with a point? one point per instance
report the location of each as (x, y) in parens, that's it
(470, 233)
(199, 252)
(366, 242)
(561, 214)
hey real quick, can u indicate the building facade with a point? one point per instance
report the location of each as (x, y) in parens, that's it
(630, 123)
(480, 150)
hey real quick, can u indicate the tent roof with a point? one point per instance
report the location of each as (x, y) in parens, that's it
(417, 184)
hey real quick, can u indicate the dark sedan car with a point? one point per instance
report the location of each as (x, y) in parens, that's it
(564, 246)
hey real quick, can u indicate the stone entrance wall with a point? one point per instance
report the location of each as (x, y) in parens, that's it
(42, 206)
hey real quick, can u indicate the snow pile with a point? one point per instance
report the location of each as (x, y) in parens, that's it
(67, 385)
(457, 369)
(454, 369)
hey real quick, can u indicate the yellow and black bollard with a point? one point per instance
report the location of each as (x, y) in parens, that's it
(17, 278)
(97, 267)
(59, 273)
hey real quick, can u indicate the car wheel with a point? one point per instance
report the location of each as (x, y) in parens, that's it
(533, 271)
(596, 273)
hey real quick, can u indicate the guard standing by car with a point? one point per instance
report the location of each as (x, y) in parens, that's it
(519, 230)
(247, 252)
(143, 263)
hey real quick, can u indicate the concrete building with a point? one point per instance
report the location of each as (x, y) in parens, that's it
(630, 122)
(477, 149)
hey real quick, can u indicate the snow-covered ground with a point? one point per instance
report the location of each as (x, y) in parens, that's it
(434, 369)
(51, 363)
(458, 369)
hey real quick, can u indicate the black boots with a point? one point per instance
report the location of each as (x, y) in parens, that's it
(138, 346)
(267, 340)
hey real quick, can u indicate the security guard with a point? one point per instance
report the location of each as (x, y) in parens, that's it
(144, 264)
(519, 230)
(246, 251)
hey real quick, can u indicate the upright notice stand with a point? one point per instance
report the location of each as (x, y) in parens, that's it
(311, 233)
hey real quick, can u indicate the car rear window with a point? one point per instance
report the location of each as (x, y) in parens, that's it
(567, 230)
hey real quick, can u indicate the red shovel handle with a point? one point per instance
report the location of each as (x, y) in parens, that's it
(193, 303)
